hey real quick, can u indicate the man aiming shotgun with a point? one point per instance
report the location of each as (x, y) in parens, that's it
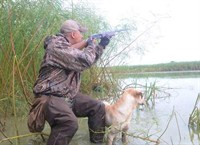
(57, 97)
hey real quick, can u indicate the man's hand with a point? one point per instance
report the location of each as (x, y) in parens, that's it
(104, 41)
(90, 40)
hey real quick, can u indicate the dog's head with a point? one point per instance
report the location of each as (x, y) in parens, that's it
(138, 96)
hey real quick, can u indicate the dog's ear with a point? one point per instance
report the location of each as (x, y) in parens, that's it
(138, 93)
(133, 92)
(139, 97)
(130, 91)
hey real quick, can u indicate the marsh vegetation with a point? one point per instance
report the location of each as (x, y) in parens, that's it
(24, 25)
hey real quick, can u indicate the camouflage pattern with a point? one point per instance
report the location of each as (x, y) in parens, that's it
(61, 67)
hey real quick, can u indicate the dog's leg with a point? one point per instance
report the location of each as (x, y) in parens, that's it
(110, 139)
(124, 136)
(115, 139)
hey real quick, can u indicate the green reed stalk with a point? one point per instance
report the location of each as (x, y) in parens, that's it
(14, 100)
(194, 120)
(22, 136)
(194, 116)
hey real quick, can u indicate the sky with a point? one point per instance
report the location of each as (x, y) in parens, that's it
(175, 35)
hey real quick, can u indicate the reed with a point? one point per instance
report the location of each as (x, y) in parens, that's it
(194, 120)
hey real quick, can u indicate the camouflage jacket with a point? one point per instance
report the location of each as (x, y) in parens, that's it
(61, 67)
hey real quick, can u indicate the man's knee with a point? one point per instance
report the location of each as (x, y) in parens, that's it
(99, 110)
(71, 126)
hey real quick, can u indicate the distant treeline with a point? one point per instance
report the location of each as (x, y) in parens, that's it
(163, 67)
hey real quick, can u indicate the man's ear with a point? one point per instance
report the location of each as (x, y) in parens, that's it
(73, 35)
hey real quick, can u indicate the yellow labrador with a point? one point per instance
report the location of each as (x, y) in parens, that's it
(118, 115)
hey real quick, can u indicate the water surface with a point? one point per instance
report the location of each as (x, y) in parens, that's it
(149, 121)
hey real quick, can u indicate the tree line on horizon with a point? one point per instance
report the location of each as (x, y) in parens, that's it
(162, 67)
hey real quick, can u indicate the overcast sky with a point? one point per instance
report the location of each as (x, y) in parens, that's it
(175, 37)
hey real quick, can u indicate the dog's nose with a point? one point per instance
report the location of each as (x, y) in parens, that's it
(141, 106)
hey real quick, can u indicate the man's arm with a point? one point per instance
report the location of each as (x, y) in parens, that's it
(80, 45)
(69, 57)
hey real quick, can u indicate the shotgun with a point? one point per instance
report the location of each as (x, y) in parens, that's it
(108, 34)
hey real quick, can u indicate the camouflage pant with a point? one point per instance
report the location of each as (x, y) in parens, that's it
(63, 119)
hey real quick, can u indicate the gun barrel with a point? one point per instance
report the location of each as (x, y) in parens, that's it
(97, 36)
(109, 34)
(121, 30)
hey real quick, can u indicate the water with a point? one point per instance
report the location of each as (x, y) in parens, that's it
(169, 116)
(184, 92)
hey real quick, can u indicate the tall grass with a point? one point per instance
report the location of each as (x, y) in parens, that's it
(24, 25)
